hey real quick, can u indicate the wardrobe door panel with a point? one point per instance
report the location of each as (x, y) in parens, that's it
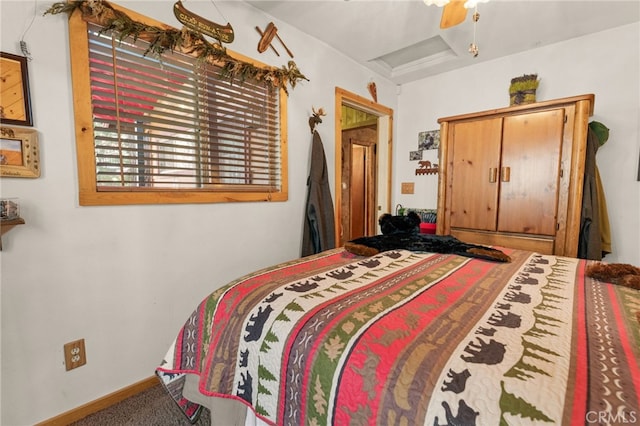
(530, 172)
(475, 160)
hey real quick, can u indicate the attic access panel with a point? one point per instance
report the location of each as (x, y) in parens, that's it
(424, 51)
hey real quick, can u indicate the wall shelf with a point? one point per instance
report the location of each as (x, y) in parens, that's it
(7, 225)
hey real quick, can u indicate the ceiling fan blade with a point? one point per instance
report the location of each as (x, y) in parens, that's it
(454, 13)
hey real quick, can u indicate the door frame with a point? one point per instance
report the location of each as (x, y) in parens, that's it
(384, 153)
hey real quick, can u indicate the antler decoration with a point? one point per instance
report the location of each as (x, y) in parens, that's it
(315, 118)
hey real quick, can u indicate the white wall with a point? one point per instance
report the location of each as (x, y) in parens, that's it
(606, 64)
(125, 278)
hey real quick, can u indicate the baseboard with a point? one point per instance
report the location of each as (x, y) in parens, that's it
(106, 401)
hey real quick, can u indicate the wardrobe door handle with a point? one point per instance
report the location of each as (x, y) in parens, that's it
(506, 174)
(493, 174)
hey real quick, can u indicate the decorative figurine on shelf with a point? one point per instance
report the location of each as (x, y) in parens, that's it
(9, 209)
(523, 89)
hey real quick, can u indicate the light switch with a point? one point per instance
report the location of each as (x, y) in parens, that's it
(407, 188)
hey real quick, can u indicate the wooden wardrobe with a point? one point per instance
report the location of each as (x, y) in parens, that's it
(513, 177)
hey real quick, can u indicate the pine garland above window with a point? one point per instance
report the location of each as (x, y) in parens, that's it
(185, 40)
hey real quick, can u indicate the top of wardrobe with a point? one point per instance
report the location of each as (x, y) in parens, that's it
(523, 107)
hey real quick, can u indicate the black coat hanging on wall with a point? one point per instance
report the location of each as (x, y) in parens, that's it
(319, 224)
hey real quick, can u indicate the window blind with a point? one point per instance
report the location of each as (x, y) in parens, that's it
(174, 123)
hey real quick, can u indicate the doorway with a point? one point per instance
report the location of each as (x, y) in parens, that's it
(363, 165)
(359, 148)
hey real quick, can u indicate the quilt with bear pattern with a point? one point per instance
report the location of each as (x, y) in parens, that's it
(416, 338)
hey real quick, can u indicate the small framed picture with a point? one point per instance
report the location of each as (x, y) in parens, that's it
(415, 155)
(429, 139)
(19, 152)
(15, 107)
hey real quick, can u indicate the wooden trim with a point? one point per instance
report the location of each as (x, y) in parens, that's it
(29, 153)
(584, 109)
(99, 404)
(517, 241)
(525, 107)
(444, 197)
(566, 164)
(83, 118)
(338, 166)
(87, 186)
(283, 194)
(353, 100)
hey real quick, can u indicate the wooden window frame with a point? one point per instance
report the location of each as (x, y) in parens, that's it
(85, 144)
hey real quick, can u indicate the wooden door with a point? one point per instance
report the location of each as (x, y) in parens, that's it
(530, 172)
(358, 192)
(475, 161)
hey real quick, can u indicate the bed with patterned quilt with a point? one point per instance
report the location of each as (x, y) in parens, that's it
(406, 338)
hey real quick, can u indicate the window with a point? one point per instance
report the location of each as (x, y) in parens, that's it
(170, 128)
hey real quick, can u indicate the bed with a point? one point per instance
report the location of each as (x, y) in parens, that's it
(410, 338)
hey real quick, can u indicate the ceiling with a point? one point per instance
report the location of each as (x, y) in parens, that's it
(401, 39)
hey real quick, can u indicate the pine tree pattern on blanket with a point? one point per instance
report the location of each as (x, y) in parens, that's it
(415, 338)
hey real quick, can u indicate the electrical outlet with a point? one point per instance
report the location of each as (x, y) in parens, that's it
(74, 354)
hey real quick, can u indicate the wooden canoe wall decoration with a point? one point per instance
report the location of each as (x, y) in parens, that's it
(222, 33)
(267, 36)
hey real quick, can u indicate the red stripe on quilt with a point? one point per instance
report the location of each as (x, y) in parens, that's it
(440, 296)
(320, 338)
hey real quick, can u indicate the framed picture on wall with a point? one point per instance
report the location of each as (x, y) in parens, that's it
(15, 101)
(19, 152)
(429, 139)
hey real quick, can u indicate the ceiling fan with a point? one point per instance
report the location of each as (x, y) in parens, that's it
(454, 11)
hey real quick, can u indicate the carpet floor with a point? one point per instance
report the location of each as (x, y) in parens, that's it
(152, 407)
